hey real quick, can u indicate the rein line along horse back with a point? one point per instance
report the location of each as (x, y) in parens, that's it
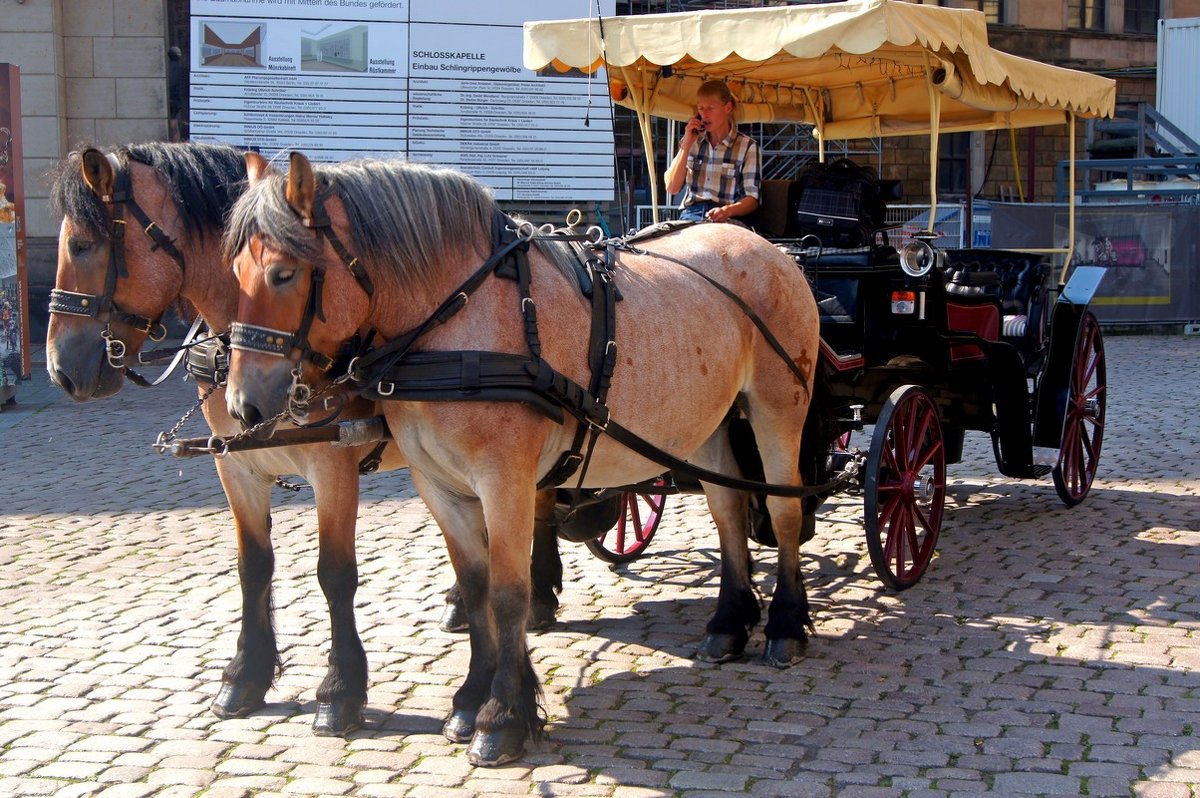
(481, 463)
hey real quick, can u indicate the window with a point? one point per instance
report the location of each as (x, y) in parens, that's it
(1085, 15)
(1141, 16)
(992, 9)
(953, 151)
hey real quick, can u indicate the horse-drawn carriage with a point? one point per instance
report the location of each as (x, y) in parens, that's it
(535, 387)
(923, 343)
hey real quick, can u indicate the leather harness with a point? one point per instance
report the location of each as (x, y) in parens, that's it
(392, 372)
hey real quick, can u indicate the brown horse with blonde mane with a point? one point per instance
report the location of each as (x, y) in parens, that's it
(410, 251)
(111, 291)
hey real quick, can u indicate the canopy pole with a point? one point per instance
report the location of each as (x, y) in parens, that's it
(818, 116)
(1062, 276)
(935, 120)
(641, 108)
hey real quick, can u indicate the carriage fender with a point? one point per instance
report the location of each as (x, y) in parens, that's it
(1054, 385)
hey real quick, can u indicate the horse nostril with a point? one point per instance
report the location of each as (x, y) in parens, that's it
(248, 415)
(62, 381)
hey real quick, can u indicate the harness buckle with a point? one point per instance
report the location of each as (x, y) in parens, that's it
(349, 373)
(114, 349)
(157, 333)
(391, 388)
(599, 426)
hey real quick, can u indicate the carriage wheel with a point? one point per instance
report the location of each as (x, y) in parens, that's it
(628, 540)
(1083, 430)
(905, 487)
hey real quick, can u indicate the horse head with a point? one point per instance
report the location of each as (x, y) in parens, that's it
(300, 299)
(110, 289)
(139, 227)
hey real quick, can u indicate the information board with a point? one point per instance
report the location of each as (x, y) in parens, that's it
(439, 81)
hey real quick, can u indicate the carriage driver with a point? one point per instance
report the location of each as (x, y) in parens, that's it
(719, 165)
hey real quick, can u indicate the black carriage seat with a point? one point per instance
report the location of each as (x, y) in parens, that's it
(998, 294)
(777, 219)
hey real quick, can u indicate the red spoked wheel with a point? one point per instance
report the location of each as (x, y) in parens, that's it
(904, 489)
(641, 514)
(1083, 429)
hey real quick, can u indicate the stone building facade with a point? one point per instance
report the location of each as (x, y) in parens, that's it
(96, 71)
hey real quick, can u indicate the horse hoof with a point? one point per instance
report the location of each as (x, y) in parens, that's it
(541, 617)
(720, 648)
(454, 618)
(238, 701)
(460, 726)
(494, 748)
(784, 652)
(337, 719)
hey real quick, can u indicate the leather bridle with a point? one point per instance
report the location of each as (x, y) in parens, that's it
(103, 307)
(269, 341)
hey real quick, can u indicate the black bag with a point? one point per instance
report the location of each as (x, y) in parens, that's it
(840, 203)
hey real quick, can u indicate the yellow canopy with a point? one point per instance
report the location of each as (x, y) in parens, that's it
(859, 69)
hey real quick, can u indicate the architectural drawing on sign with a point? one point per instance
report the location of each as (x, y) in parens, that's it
(332, 49)
(232, 45)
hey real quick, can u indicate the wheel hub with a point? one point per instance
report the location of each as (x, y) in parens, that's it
(922, 489)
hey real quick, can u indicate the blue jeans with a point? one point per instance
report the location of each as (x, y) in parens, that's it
(695, 212)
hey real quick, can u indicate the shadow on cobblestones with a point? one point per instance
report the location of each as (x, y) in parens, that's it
(1046, 652)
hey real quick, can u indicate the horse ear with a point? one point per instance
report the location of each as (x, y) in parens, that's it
(256, 166)
(97, 171)
(301, 186)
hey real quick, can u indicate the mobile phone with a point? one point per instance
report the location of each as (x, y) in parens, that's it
(701, 121)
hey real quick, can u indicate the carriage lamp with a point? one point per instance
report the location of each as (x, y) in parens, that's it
(917, 257)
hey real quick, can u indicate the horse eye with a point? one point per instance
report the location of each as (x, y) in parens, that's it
(78, 246)
(280, 276)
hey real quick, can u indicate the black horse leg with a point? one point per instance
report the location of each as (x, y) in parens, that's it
(472, 585)
(545, 569)
(343, 692)
(252, 670)
(737, 612)
(512, 714)
(545, 577)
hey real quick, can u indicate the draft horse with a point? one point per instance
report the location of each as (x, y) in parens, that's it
(412, 252)
(114, 283)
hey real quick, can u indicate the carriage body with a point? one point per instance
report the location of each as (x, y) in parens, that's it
(986, 340)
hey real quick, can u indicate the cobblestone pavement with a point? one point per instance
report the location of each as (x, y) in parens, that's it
(1048, 651)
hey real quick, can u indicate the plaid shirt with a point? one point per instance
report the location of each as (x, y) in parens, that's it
(723, 173)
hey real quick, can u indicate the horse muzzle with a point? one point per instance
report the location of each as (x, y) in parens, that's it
(259, 402)
(82, 371)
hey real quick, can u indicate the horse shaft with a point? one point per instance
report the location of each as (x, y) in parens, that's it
(344, 433)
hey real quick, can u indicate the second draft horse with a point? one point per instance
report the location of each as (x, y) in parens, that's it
(407, 252)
